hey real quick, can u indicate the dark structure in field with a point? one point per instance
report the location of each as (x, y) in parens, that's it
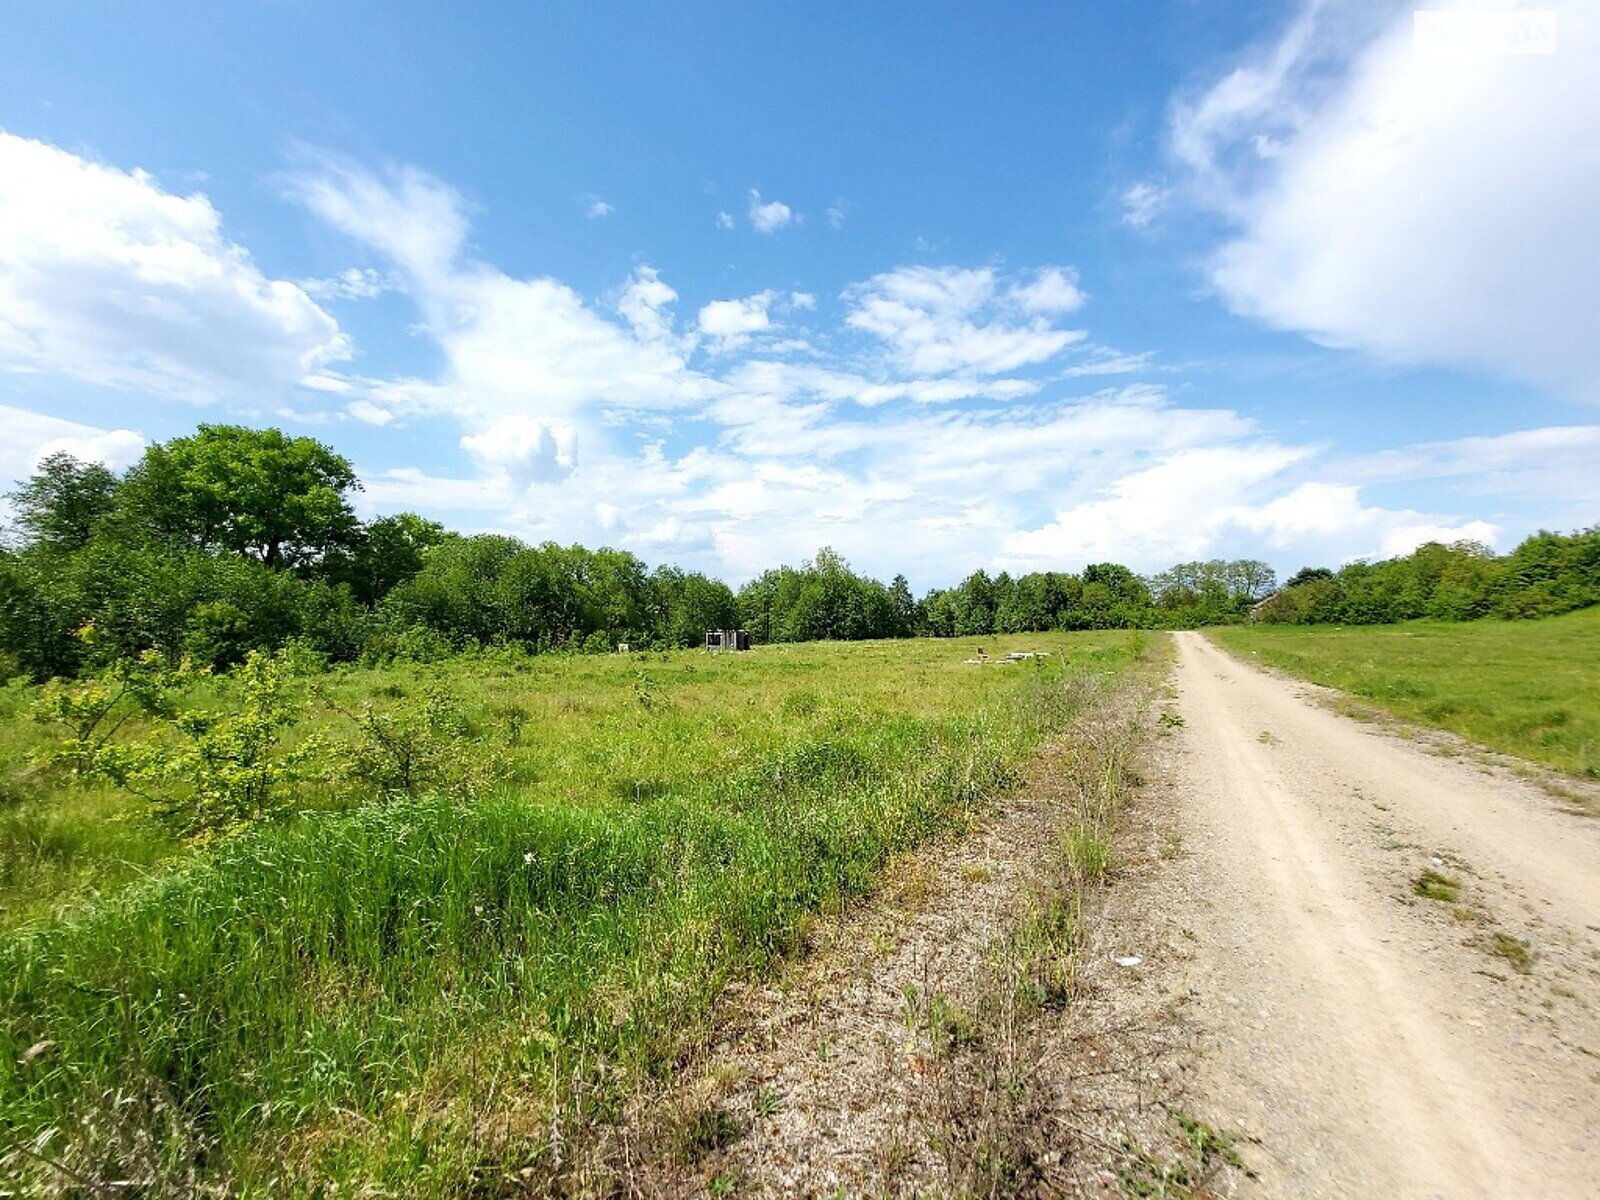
(727, 639)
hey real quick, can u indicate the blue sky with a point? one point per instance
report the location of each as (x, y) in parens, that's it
(944, 286)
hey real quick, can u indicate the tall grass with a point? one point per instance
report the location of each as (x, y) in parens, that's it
(430, 997)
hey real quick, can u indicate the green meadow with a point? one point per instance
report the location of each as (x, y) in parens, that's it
(439, 991)
(1528, 688)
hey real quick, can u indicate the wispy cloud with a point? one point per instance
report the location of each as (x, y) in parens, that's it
(353, 283)
(941, 319)
(1142, 203)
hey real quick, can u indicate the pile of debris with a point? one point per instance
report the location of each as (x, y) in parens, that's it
(1014, 656)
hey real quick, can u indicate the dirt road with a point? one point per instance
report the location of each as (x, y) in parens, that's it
(1374, 1041)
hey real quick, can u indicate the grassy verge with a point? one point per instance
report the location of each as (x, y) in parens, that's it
(427, 997)
(1527, 688)
(998, 1129)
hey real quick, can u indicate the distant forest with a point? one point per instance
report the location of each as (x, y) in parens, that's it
(234, 539)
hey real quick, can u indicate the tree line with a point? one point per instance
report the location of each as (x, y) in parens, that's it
(1547, 574)
(233, 539)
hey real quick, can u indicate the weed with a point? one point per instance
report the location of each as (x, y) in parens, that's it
(226, 768)
(1514, 950)
(1184, 1168)
(767, 1102)
(975, 872)
(1088, 853)
(802, 703)
(1431, 885)
(707, 1130)
(1172, 719)
(510, 717)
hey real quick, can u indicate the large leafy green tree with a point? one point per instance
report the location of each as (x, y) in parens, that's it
(256, 492)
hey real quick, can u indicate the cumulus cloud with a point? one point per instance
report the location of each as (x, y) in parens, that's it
(725, 220)
(1332, 518)
(1168, 511)
(525, 449)
(729, 323)
(768, 216)
(942, 319)
(644, 304)
(32, 437)
(1421, 206)
(107, 277)
(598, 208)
(1051, 290)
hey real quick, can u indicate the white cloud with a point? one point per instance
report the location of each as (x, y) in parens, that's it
(513, 347)
(525, 449)
(836, 216)
(31, 437)
(1052, 291)
(370, 413)
(1419, 206)
(1238, 498)
(1142, 203)
(725, 220)
(108, 278)
(769, 216)
(353, 283)
(418, 220)
(1403, 539)
(1168, 512)
(731, 322)
(925, 452)
(598, 208)
(941, 319)
(644, 302)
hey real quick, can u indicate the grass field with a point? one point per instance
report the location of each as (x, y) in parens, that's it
(429, 996)
(1529, 688)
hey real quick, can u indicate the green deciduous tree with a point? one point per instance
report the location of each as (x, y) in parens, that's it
(64, 501)
(255, 492)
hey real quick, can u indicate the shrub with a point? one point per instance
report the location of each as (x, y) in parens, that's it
(428, 748)
(223, 769)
